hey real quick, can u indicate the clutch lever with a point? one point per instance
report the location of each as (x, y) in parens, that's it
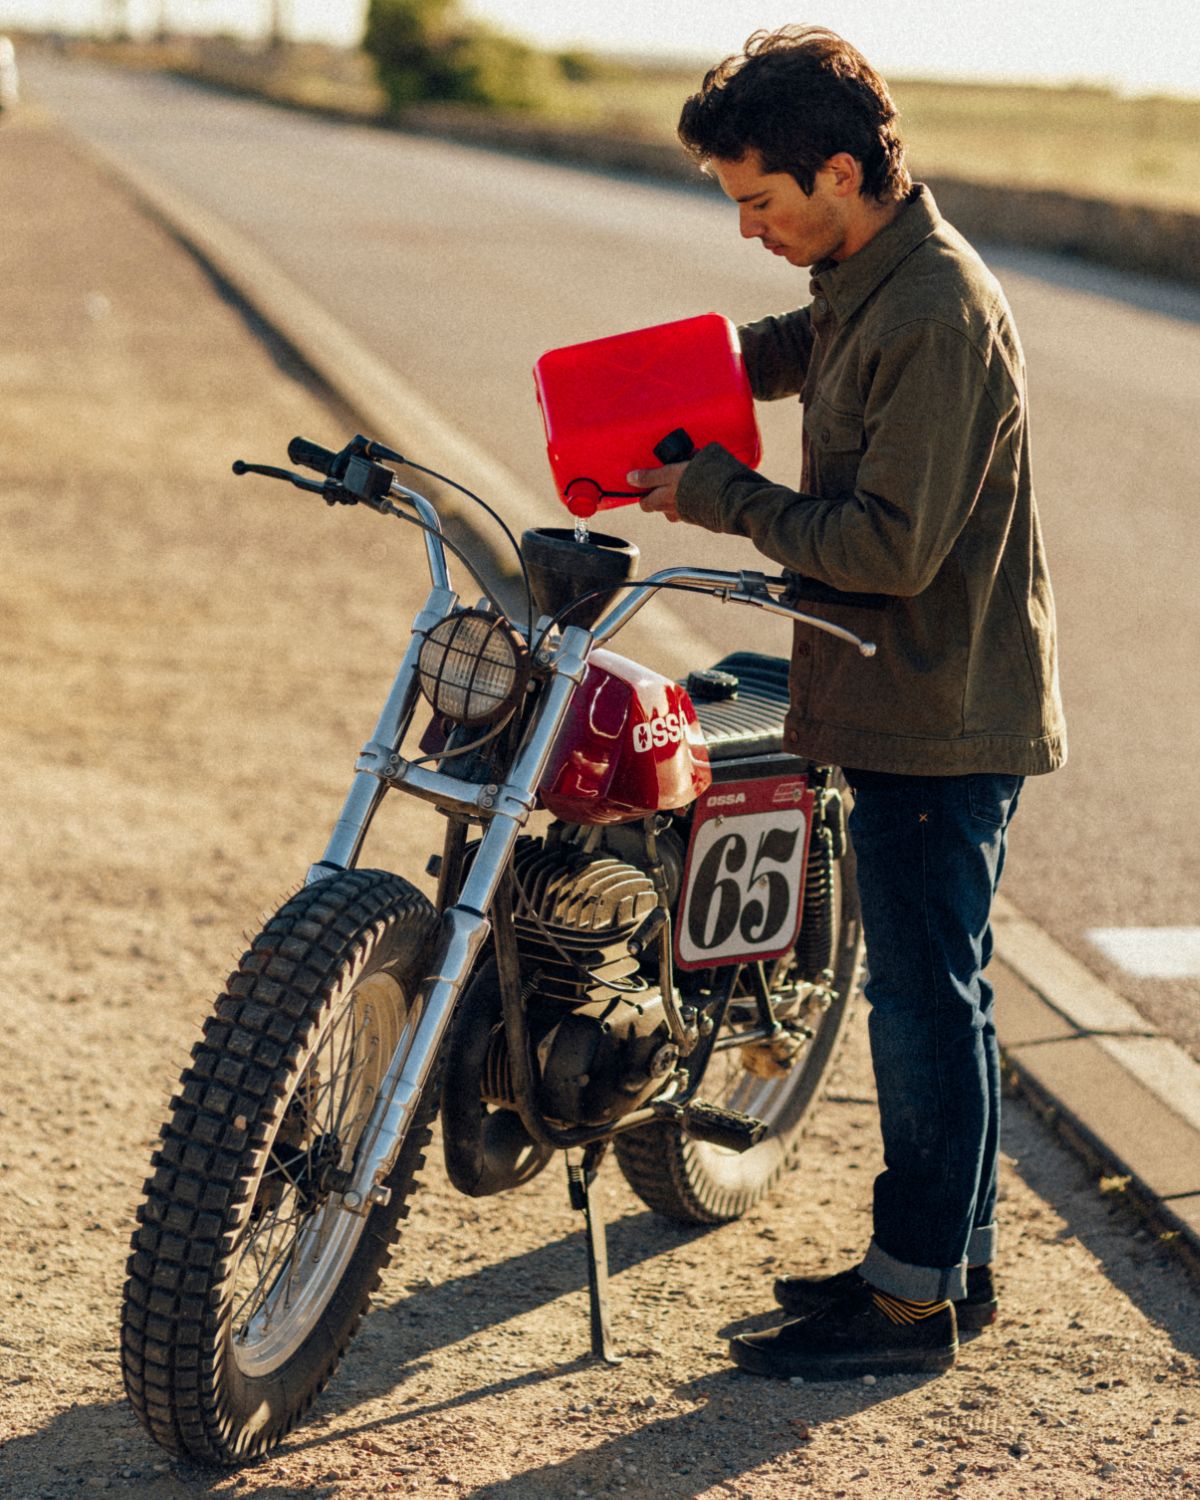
(332, 491)
(241, 467)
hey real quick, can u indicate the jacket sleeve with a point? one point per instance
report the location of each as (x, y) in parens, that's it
(776, 351)
(934, 413)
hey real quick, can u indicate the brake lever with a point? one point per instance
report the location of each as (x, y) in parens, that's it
(752, 589)
(330, 490)
(270, 472)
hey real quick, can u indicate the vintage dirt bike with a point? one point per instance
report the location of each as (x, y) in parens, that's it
(645, 934)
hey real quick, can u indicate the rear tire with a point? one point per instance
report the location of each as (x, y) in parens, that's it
(247, 1279)
(699, 1183)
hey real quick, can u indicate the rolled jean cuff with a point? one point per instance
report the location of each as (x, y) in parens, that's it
(918, 1283)
(981, 1247)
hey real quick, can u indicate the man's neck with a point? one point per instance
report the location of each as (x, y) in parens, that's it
(870, 218)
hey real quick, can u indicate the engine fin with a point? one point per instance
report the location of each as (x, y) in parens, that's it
(590, 903)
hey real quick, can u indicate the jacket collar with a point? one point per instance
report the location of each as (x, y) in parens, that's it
(847, 284)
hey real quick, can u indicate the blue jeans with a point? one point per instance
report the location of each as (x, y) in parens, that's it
(930, 851)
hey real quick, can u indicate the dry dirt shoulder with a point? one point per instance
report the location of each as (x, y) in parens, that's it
(190, 664)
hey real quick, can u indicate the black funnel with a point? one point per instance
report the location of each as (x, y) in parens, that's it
(562, 570)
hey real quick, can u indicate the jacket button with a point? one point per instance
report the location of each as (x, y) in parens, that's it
(824, 434)
(820, 307)
(803, 649)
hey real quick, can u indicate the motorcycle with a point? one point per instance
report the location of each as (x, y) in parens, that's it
(645, 936)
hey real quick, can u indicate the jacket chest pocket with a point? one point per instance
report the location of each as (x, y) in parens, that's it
(834, 443)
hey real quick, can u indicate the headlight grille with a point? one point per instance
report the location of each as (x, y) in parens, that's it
(472, 667)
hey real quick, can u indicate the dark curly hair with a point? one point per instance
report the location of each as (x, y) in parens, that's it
(798, 96)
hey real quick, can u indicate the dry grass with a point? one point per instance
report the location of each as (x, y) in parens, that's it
(1084, 140)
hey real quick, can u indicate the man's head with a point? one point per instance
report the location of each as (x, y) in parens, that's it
(798, 97)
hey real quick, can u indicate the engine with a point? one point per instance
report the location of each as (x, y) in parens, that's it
(595, 1015)
(597, 1023)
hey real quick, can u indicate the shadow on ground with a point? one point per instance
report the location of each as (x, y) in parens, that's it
(683, 1452)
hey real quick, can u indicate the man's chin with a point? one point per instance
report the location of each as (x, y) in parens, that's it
(792, 256)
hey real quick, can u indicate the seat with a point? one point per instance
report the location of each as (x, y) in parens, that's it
(752, 722)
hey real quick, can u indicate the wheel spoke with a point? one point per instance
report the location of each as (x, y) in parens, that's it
(344, 1047)
(293, 1255)
(357, 1064)
(265, 1275)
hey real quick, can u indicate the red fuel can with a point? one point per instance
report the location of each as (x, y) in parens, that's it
(606, 404)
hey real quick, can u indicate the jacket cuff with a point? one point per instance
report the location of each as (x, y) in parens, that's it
(700, 496)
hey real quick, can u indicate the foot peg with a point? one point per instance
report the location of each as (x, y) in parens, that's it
(722, 1127)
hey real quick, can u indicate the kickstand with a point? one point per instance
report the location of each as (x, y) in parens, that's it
(580, 1176)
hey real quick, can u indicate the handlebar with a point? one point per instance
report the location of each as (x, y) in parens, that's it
(352, 476)
(756, 589)
(816, 592)
(355, 475)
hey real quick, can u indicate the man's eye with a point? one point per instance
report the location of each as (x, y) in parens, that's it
(760, 206)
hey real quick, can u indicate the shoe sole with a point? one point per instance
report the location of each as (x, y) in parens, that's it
(901, 1362)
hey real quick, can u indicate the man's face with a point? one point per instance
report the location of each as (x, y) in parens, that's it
(802, 228)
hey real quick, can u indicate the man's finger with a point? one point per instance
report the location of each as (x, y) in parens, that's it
(649, 479)
(660, 501)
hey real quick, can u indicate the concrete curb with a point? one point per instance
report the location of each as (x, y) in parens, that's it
(1127, 1097)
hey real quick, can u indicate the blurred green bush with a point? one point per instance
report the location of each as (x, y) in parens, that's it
(424, 51)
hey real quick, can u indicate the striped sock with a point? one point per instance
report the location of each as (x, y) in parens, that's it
(904, 1309)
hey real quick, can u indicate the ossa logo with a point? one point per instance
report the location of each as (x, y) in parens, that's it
(668, 730)
(730, 799)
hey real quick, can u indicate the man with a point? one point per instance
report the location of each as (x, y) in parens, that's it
(916, 486)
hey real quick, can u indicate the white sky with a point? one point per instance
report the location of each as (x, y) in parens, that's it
(1147, 46)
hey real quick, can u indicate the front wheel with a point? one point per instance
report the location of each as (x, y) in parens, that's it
(701, 1183)
(248, 1279)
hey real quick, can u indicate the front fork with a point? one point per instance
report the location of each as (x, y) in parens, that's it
(465, 926)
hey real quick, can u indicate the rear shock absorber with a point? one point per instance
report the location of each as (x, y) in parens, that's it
(818, 927)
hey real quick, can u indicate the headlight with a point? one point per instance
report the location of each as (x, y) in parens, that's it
(472, 667)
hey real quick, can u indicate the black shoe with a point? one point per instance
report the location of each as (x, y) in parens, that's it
(849, 1337)
(804, 1295)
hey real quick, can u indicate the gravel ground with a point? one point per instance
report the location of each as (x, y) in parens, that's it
(191, 662)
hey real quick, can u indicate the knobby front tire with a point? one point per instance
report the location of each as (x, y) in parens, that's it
(247, 1279)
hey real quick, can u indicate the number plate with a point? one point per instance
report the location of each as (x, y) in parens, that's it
(743, 884)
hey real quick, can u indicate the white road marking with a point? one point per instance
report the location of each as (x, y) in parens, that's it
(1151, 952)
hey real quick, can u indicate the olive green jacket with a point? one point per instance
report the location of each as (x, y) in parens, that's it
(916, 485)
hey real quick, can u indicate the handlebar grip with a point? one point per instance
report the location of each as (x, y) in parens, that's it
(311, 455)
(812, 590)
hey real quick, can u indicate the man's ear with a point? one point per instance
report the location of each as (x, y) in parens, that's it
(846, 174)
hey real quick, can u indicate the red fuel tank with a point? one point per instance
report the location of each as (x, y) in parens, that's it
(631, 746)
(607, 403)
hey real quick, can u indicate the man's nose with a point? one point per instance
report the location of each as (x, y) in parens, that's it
(749, 225)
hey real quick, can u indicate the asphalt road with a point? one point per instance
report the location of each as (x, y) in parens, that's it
(460, 266)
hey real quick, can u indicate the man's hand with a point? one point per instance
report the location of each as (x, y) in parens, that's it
(662, 484)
